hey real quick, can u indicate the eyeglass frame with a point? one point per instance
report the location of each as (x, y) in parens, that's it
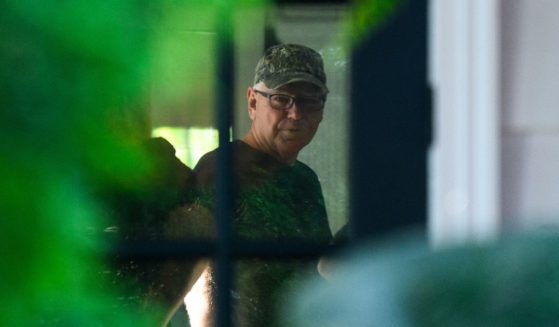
(293, 100)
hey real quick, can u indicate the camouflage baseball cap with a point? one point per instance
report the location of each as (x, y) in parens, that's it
(287, 63)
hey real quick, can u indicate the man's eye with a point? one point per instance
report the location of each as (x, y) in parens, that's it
(281, 99)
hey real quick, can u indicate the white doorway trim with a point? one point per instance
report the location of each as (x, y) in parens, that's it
(464, 168)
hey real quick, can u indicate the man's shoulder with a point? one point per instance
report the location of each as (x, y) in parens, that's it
(241, 153)
(305, 170)
(206, 160)
(205, 169)
(243, 157)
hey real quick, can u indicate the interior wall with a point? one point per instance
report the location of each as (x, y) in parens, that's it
(530, 95)
(249, 24)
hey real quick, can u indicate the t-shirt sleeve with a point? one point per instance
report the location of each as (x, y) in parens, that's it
(205, 171)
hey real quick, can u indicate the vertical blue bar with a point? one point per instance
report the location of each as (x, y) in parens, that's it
(388, 186)
(224, 196)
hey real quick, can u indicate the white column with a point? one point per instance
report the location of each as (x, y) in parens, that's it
(464, 159)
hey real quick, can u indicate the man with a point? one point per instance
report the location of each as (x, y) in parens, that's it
(277, 197)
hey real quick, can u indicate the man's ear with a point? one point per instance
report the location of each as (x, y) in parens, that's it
(251, 101)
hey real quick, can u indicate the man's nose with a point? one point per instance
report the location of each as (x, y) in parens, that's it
(295, 112)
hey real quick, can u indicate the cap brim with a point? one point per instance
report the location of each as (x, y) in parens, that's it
(280, 80)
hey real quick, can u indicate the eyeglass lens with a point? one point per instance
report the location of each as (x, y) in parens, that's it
(284, 102)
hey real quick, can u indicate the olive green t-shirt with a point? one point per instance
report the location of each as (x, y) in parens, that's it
(275, 202)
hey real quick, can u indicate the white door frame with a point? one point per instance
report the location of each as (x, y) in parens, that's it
(464, 167)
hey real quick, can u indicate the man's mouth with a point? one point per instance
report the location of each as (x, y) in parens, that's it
(291, 133)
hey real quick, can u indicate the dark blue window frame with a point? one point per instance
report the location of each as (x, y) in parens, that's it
(389, 181)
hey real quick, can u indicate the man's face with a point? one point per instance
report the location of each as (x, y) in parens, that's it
(283, 133)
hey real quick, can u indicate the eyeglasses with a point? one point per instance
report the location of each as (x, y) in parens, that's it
(285, 102)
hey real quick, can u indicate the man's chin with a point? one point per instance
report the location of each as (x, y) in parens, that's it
(289, 148)
(290, 140)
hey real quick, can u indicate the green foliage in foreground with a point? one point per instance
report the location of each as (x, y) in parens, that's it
(74, 78)
(71, 74)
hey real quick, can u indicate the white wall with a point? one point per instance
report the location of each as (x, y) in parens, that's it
(495, 74)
